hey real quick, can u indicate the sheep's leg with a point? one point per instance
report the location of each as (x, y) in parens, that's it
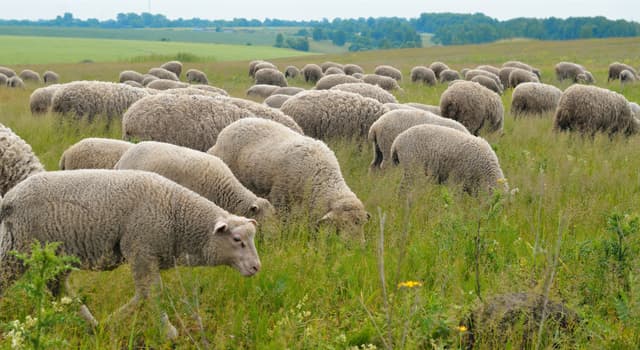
(84, 310)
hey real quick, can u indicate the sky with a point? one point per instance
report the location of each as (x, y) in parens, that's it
(318, 9)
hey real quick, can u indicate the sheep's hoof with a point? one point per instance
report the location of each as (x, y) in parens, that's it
(87, 316)
(171, 331)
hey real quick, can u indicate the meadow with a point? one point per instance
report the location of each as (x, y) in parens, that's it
(569, 229)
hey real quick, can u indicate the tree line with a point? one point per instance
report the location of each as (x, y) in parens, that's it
(378, 33)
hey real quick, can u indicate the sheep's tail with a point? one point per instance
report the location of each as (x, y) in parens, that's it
(394, 156)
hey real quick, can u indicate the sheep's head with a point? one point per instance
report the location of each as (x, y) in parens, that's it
(348, 217)
(230, 243)
(261, 210)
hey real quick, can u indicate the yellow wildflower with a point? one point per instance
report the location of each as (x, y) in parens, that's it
(409, 284)
(462, 328)
(501, 181)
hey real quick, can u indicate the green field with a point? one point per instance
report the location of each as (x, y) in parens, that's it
(41, 50)
(572, 225)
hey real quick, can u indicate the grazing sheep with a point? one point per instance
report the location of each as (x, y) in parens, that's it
(333, 70)
(329, 81)
(148, 78)
(393, 106)
(192, 121)
(15, 82)
(502, 318)
(351, 69)
(17, 161)
(463, 71)
(276, 100)
(133, 83)
(191, 90)
(386, 83)
(568, 70)
(164, 84)
(291, 72)
(521, 65)
(473, 105)
(210, 88)
(325, 114)
(162, 73)
(472, 73)
(131, 75)
(635, 110)
(50, 77)
(203, 173)
(488, 83)
(367, 90)
(448, 75)
(518, 76)
(447, 155)
(358, 75)
(437, 68)
(291, 170)
(261, 90)
(263, 65)
(326, 65)
(590, 109)
(91, 98)
(312, 73)
(108, 217)
(252, 67)
(490, 69)
(627, 76)
(429, 108)
(585, 78)
(173, 66)
(423, 74)
(287, 90)
(270, 76)
(197, 76)
(7, 71)
(616, 68)
(40, 99)
(93, 153)
(384, 130)
(388, 71)
(265, 112)
(504, 76)
(29, 75)
(534, 99)
(3, 79)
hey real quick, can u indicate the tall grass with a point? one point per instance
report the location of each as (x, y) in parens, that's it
(313, 286)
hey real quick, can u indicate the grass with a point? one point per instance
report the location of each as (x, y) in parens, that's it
(318, 292)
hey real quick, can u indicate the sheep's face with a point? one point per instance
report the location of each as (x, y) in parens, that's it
(231, 243)
(348, 218)
(261, 210)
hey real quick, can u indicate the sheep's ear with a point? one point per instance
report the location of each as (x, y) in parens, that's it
(220, 227)
(327, 217)
(254, 208)
(255, 223)
(368, 216)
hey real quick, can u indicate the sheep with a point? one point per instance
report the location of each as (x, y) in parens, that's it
(568, 70)
(261, 90)
(29, 75)
(437, 68)
(108, 217)
(504, 76)
(616, 68)
(326, 65)
(17, 161)
(534, 99)
(472, 73)
(325, 114)
(50, 77)
(148, 78)
(15, 82)
(130, 75)
(209, 88)
(490, 69)
(252, 67)
(191, 90)
(521, 65)
(312, 73)
(291, 72)
(162, 73)
(333, 70)
(40, 99)
(367, 90)
(488, 83)
(429, 108)
(262, 111)
(200, 172)
(386, 83)
(7, 71)
(627, 76)
(3, 79)
(263, 65)
(448, 75)
(291, 170)
(192, 121)
(384, 130)
(635, 109)
(276, 100)
(329, 81)
(585, 78)
(463, 71)
(474, 106)
(518, 76)
(91, 98)
(287, 90)
(590, 109)
(164, 84)
(350, 69)
(93, 153)
(447, 155)
(173, 66)
(270, 76)
(197, 76)
(358, 75)
(134, 84)
(388, 71)
(423, 74)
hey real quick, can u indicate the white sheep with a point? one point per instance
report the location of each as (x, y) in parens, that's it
(93, 153)
(17, 161)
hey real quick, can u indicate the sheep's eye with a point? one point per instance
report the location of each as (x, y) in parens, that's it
(237, 239)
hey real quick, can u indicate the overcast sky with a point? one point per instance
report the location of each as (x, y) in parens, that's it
(318, 9)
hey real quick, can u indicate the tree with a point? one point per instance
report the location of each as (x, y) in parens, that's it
(279, 40)
(339, 38)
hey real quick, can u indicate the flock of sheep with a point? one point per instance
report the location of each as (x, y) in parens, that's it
(210, 167)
